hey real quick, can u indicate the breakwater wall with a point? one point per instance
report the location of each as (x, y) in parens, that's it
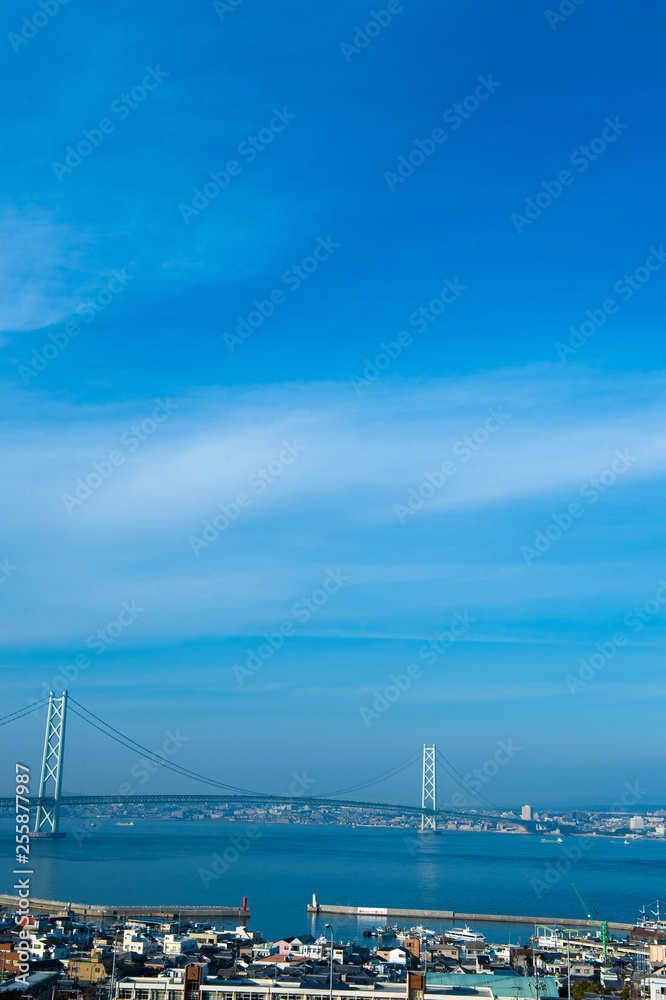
(454, 915)
(56, 907)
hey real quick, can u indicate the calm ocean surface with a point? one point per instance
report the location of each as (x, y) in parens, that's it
(158, 863)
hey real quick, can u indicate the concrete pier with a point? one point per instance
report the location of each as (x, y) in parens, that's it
(500, 918)
(95, 911)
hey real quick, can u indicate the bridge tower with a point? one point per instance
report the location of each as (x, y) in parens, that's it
(47, 820)
(429, 790)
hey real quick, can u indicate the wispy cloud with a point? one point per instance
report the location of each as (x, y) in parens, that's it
(45, 268)
(334, 506)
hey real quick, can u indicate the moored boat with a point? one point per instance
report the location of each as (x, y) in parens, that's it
(463, 935)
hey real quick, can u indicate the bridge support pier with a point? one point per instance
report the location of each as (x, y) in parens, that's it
(47, 819)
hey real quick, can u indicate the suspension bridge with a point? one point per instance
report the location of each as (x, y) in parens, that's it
(49, 800)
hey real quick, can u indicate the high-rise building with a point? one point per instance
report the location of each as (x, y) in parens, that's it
(526, 812)
(636, 823)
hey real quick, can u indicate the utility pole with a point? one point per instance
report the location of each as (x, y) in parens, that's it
(330, 978)
(113, 964)
(568, 966)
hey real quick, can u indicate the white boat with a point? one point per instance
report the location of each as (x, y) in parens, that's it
(419, 931)
(463, 935)
(651, 925)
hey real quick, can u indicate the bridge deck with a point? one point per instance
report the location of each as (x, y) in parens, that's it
(392, 807)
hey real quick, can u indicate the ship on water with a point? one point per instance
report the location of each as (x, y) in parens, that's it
(464, 935)
(648, 924)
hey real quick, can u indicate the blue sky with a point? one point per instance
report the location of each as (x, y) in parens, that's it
(309, 342)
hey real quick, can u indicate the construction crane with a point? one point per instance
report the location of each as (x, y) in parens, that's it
(601, 926)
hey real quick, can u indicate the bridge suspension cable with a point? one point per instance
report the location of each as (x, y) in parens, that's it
(151, 754)
(381, 777)
(125, 741)
(21, 712)
(461, 781)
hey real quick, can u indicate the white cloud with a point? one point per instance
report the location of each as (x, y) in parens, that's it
(44, 269)
(334, 505)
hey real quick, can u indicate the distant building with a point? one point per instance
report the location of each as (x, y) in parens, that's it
(657, 955)
(10, 960)
(40, 984)
(526, 812)
(139, 944)
(93, 969)
(504, 986)
(394, 956)
(636, 823)
(47, 946)
(180, 944)
(657, 986)
(193, 983)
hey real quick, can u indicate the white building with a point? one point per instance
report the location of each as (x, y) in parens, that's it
(179, 944)
(44, 946)
(636, 823)
(394, 956)
(140, 944)
(657, 987)
(132, 930)
(526, 812)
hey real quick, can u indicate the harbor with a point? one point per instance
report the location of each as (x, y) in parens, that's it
(500, 918)
(160, 953)
(108, 912)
